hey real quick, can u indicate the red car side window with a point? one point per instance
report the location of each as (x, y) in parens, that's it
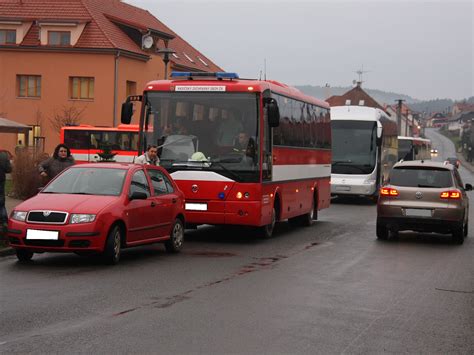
(139, 183)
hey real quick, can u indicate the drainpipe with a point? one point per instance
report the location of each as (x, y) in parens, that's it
(116, 68)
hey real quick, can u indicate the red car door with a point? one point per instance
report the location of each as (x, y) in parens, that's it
(165, 199)
(141, 216)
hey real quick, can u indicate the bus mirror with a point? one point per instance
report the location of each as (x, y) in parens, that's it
(273, 112)
(379, 132)
(127, 112)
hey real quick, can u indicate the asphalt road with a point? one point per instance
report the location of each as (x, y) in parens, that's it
(330, 288)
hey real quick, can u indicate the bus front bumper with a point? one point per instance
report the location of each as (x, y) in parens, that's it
(354, 187)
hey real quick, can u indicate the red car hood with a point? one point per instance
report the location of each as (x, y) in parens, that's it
(67, 203)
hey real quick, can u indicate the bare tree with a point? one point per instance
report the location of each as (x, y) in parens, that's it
(66, 116)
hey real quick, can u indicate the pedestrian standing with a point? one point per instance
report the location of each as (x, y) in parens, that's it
(5, 168)
(150, 157)
(60, 160)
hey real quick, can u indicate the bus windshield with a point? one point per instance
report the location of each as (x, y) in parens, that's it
(204, 131)
(353, 147)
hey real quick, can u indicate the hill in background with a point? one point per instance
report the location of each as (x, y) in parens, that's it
(383, 97)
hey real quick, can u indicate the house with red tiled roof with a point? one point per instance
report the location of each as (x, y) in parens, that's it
(460, 107)
(355, 97)
(409, 124)
(81, 56)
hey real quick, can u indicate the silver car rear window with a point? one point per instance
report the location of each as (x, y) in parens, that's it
(421, 177)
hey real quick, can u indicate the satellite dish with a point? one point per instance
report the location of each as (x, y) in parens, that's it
(354, 82)
(147, 42)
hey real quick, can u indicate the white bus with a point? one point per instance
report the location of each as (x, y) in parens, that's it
(364, 149)
(414, 148)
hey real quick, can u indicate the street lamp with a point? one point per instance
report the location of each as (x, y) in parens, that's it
(165, 55)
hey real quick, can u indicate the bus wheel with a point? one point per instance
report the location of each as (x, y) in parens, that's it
(267, 231)
(307, 219)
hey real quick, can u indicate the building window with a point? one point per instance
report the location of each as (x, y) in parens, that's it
(7, 37)
(59, 38)
(28, 85)
(81, 88)
(131, 88)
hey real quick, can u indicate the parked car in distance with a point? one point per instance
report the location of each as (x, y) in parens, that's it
(455, 161)
(423, 196)
(100, 208)
(434, 151)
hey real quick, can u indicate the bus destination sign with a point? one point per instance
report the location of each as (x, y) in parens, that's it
(199, 88)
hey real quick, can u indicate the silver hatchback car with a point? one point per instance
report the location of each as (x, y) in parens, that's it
(423, 196)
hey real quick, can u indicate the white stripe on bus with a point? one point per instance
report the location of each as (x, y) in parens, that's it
(303, 171)
(280, 173)
(199, 176)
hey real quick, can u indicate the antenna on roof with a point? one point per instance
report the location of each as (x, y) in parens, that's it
(360, 73)
(260, 75)
(264, 68)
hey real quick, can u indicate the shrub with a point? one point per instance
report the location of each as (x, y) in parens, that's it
(25, 175)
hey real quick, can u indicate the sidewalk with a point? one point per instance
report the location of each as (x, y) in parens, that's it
(468, 165)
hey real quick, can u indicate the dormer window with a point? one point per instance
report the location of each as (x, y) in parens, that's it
(188, 58)
(59, 38)
(203, 62)
(7, 36)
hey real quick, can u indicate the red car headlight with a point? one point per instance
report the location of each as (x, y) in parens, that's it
(82, 218)
(19, 215)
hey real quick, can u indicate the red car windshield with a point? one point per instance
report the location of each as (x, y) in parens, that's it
(88, 181)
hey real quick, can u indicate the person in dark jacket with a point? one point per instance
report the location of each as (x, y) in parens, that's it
(5, 168)
(60, 160)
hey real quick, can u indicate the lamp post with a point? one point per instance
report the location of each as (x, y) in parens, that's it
(165, 55)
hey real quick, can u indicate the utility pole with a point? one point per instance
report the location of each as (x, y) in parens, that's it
(399, 115)
(407, 126)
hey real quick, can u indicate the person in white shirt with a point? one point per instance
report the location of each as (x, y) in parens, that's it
(150, 157)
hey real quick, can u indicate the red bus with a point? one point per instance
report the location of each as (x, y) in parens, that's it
(87, 141)
(196, 120)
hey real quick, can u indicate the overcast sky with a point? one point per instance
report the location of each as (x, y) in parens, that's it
(422, 49)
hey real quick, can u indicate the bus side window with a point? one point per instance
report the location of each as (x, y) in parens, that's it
(95, 139)
(124, 141)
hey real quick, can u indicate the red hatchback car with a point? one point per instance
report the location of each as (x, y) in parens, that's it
(100, 208)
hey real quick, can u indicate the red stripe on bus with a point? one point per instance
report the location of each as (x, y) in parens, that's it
(296, 156)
